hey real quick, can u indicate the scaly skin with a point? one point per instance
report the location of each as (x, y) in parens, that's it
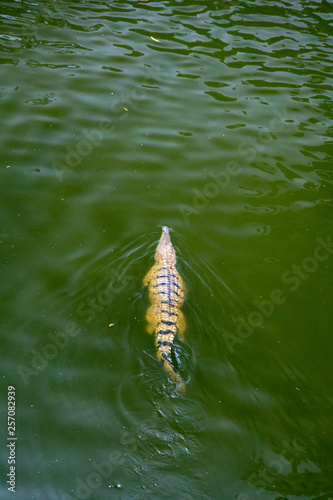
(166, 293)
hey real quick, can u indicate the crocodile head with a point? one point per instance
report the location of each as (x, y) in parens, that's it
(165, 250)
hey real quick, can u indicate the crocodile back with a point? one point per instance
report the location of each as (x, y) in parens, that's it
(166, 293)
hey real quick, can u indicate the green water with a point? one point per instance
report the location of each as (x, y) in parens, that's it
(214, 118)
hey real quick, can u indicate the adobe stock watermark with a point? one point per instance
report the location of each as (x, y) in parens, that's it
(89, 307)
(220, 179)
(102, 471)
(293, 278)
(265, 476)
(201, 199)
(92, 138)
(58, 341)
(41, 358)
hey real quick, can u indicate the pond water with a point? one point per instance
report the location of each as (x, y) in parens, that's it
(215, 119)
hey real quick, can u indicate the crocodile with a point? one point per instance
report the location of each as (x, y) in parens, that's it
(166, 293)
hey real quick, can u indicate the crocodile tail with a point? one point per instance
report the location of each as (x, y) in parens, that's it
(168, 367)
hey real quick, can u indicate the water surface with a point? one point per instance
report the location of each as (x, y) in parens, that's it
(214, 118)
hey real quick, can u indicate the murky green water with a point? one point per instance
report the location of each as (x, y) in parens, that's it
(214, 118)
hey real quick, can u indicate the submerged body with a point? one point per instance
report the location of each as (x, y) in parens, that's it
(166, 293)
